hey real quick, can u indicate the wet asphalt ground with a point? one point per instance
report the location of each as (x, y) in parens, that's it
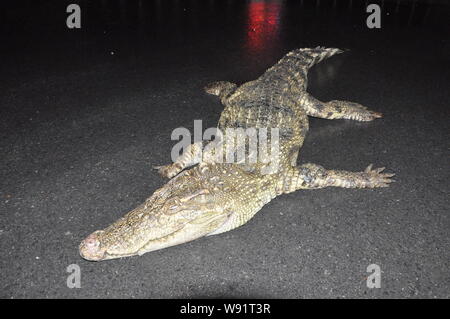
(85, 114)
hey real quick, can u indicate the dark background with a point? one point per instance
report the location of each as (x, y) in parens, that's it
(85, 114)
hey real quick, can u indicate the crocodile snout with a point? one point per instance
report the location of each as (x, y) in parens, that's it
(91, 248)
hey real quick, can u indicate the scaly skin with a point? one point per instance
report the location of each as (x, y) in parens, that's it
(213, 197)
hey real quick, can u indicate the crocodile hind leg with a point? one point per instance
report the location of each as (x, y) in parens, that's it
(313, 176)
(338, 110)
(222, 89)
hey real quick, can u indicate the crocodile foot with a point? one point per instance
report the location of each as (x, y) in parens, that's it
(167, 171)
(375, 177)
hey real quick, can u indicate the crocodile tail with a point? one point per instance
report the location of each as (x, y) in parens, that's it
(313, 56)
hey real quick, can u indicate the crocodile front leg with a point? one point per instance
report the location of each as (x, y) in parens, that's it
(199, 152)
(191, 156)
(313, 176)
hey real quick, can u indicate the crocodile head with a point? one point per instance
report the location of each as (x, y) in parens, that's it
(180, 211)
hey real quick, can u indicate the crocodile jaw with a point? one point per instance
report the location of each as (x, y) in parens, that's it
(176, 213)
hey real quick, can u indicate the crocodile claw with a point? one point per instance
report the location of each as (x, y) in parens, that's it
(377, 179)
(167, 171)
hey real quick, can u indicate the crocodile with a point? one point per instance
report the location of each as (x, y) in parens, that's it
(205, 197)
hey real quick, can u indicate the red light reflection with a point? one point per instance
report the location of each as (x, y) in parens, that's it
(263, 23)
